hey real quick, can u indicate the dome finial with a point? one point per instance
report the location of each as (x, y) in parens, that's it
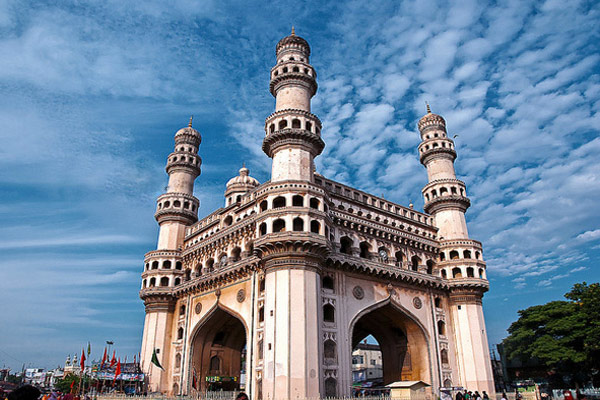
(293, 31)
(190, 124)
(428, 108)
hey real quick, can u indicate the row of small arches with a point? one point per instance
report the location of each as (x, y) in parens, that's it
(297, 201)
(295, 124)
(435, 135)
(365, 252)
(167, 264)
(435, 146)
(458, 272)
(455, 255)
(291, 59)
(347, 192)
(385, 221)
(279, 225)
(192, 160)
(444, 192)
(227, 221)
(165, 281)
(177, 204)
(295, 69)
(188, 149)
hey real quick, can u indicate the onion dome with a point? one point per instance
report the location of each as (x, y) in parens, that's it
(188, 135)
(431, 120)
(293, 41)
(242, 183)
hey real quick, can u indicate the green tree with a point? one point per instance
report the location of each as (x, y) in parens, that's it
(563, 335)
(64, 384)
(587, 300)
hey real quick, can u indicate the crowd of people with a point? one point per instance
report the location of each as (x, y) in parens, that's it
(469, 395)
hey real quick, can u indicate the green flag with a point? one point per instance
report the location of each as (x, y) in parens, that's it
(155, 361)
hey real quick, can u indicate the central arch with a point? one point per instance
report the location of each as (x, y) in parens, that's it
(402, 340)
(218, 354)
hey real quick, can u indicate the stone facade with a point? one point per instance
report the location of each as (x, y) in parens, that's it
(274, 291)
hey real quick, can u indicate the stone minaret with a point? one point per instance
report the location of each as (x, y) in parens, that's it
(291, 234)
(175, 210)
(293, 134)
(461, 259)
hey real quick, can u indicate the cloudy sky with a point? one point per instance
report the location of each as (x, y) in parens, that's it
(91, 94)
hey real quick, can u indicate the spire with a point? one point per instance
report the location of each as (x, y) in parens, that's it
(190, 124)
(293, 31)
(428, 108)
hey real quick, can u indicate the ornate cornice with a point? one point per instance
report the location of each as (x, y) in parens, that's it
(293, 137)
(293, 111)
(444, 202)
(293, 78)
(382, 231)
(158, 299)
(386, 272)
(437, 152)
(274, 247)
(220, 277)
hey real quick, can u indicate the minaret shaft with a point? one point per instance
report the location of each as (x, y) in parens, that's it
(176, 209)
(292, 132)
(460, 257)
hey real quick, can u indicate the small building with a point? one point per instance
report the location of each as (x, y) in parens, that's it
(367, 365)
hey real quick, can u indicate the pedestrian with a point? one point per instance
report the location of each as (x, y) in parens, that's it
(25, 392)
(242, 396)
(459, 396)
(504, 396)
(485, 396)
(568, 395)
(477, 396)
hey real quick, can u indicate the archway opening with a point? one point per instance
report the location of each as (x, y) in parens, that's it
(401, 343)
(219, 353)
(367, 365)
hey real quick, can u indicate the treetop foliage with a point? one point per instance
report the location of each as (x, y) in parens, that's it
(563, 335)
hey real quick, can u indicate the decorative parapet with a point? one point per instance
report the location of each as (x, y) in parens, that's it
(384, 271)
(311, 247)
(219, 277)
(451, 201)
(293, 137)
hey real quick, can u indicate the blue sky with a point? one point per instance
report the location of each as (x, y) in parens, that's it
(91, 94)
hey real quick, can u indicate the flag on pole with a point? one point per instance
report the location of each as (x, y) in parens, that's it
(103, 359)
(118, 370)
(194, 380)
(113, 361)
(89, 349)
(72, 383)
(82, 362)
(155, 361)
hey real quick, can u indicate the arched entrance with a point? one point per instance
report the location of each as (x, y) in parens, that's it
(219, 352)
(401, 340)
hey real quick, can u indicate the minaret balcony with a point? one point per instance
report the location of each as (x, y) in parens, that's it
(177, 207)
(291, 77)
(292, 118)
(293, 137)
(475, 284)
(292, 67)
(184, 161)
(305, 249)
(443, 187)
(436, 148)
(447, 201)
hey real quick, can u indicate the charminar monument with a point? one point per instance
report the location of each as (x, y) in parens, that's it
(272, 292)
